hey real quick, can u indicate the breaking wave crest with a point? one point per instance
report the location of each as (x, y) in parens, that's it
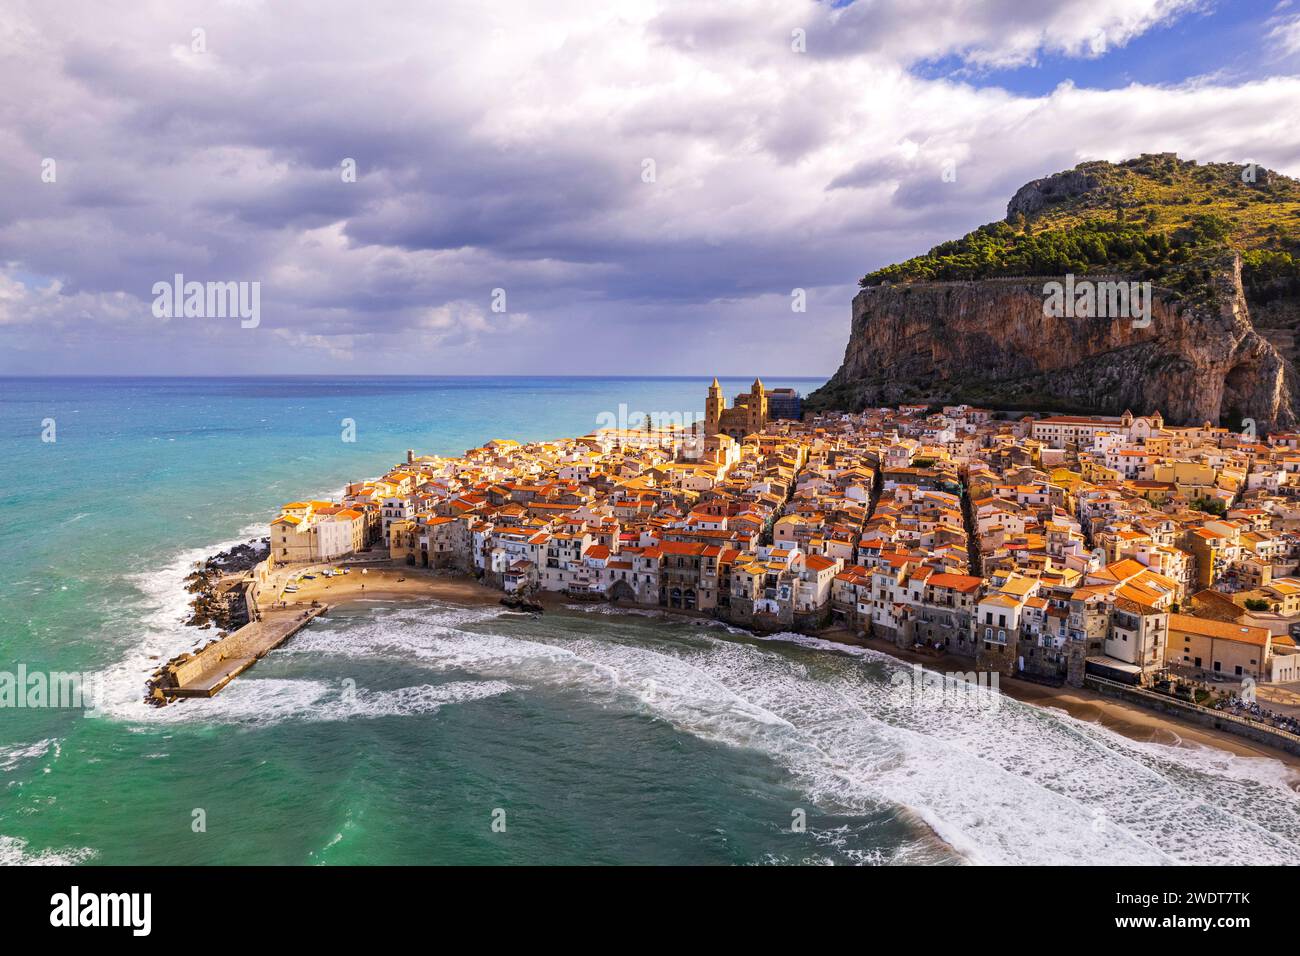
(263, 701)
(14, 852)
(1010, 784)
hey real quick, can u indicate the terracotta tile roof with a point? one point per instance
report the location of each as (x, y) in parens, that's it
(1219, 630)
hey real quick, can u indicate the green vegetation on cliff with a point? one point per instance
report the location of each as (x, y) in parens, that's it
(943, 330)
(1155, 216)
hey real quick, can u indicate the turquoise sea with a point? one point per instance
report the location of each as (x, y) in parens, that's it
(596, 738)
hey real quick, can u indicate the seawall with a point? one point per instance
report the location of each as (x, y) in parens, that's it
(1204, 716)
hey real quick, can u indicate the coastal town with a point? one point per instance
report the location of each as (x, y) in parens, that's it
(1068, 550)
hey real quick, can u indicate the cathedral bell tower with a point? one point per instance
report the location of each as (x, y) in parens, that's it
(713, 408)
(757, 418)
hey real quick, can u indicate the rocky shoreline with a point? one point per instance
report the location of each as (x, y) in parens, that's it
(209, 604)
(212, 606)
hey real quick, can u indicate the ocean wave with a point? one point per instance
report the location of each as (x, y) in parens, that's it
(265, 701)
(11, 757)
(161, 611)
(1005, 784)
(14, 852)
(1015, 785)
(1021, 784)
(612, 610)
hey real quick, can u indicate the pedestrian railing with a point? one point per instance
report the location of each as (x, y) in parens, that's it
(1218, 714)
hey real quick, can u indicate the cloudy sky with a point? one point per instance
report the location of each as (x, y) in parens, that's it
(647, 181)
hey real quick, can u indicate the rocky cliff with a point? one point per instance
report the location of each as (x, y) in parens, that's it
(987, 341)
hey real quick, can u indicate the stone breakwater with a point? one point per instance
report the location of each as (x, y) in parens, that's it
(206, 672)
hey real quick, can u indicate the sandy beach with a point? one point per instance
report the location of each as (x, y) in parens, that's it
(384, 583)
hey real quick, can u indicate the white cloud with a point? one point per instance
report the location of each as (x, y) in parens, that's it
(502, 146)
(1285, 33)
(1007, 33)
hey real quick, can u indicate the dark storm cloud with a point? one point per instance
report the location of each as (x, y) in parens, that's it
(511, 147)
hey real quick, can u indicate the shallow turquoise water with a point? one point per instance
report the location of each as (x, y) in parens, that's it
(398, 733)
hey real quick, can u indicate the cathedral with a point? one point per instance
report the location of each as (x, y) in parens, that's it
(747, 417)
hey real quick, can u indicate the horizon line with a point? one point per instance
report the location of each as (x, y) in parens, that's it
(416, 376)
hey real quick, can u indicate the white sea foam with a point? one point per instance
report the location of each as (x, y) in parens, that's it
(14, 852)
(12, 757)
(1019, 785)
(164, 609)
(1027, 784)
(264, 701)
(615, 611)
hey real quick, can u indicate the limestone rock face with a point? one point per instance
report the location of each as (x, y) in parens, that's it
(1037, 195)
(988, 342)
